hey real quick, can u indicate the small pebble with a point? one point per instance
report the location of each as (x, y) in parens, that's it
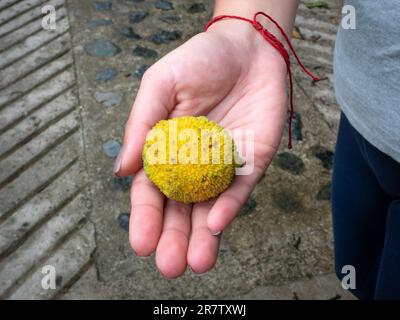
(141, 70)
(196, 8)
(128, 32)
(111, 148)
(296, 242)
(297, 127)
(326, 156)
(59, 280)
(248, 207)
(325, 192)
(123, 220)
(106, 75)
(101, 6)
(144, 52)
(99, 23)
(109, 99)
(164, 5)
(290, 162)
(137, 16)
(102, 48)
(287, 201)
(122, 183)
(170, 19)
(165, 36)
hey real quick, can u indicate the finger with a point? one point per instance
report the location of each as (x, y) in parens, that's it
(146, 215)
(173, 245)
(154, 101)
(229, 203)
(203, 246)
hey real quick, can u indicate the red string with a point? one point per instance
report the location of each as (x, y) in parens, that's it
(278, 46)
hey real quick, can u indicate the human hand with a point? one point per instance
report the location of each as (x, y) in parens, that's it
(232, 76)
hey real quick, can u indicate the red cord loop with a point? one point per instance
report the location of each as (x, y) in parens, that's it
(258, 26)
(279, 47)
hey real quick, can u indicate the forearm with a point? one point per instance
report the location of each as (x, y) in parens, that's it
(283, 11)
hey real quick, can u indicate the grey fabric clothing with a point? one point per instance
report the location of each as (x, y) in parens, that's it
(367, 73)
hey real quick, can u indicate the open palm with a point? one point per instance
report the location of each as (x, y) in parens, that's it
(236, 82)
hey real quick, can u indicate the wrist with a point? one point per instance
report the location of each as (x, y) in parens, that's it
(241, 31)
(246, 42)
(283, 11)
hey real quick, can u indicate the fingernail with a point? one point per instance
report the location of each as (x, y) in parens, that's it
(197, 274)
(143, 257)
(117, 163)
(216, 233)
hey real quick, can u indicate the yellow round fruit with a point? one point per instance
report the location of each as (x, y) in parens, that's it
(190, 159)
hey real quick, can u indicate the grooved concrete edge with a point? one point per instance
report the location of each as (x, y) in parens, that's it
(45, 198)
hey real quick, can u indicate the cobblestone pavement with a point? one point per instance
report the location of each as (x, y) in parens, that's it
(64, 98)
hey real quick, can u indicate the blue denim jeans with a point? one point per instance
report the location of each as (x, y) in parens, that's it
(366, 215)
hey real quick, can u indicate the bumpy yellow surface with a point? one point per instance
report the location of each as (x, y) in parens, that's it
(176, 171)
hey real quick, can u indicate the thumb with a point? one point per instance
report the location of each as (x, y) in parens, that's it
(154, 101)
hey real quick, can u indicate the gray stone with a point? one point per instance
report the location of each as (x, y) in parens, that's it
(106, 75)
(164, 5)
(99, 23)
(139, 72)
(121, 183)
(196, 8)
(297, 126)
(109, 99)
(248, 207)
(165, 36)
(111, 148)
(123, 220)
(290, 162)
(128, 32)
(169, 18)
(296, 242)
(325, 155)
(325, 192)
(137, 16)
(135, 1)
(59, 281)
(102, 6)
(287, 201)
(102, 48)
(145, 52)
